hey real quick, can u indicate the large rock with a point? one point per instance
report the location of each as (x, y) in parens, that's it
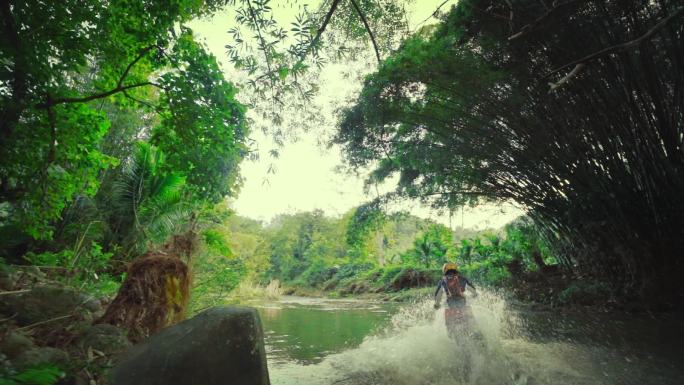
(104, 338)
(40, 356)
(45, 303)
(14, 344)
(219, 346)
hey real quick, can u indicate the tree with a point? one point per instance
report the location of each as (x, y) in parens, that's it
(464, 115)
(63, 60)
(146, 205)
(432, 247)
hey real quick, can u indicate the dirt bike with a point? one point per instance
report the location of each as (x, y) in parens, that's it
(458, 321)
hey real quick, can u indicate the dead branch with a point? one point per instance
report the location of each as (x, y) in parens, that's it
(433, 14)
(622, 46)
(45, 321)
(14, 292)
(549, 11)
(578, 68)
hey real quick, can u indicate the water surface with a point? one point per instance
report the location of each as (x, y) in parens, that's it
(313, 341)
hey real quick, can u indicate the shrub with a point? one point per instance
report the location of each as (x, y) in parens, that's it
(47, 375)
(352, 269)
(316, 274)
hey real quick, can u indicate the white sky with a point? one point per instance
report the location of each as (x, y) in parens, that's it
(305, 178)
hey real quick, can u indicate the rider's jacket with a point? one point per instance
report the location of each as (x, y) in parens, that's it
(454, 294)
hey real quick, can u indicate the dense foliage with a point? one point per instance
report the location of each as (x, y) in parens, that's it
(119, 135)
(116, 126)
(362, 251)
(464, 114)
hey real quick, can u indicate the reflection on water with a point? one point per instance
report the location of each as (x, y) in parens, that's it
(305, 330)
(324, 342)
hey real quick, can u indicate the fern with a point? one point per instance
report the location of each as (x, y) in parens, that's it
(48, 375)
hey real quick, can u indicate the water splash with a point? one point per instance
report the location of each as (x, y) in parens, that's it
(414, 349)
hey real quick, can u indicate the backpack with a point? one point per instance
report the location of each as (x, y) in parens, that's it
(453, 287)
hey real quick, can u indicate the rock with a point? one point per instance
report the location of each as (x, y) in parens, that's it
(40, 356)
(15, 343)
(105, 338)
(7, 279)
(222, 345)
(44, 303)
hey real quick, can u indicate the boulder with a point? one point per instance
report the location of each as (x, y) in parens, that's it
(45, 303)
(7, 279)
(104, 338)
(14, 344)
(40, 356)
(220, 346)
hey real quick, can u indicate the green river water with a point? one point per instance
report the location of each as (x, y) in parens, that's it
(314, 341)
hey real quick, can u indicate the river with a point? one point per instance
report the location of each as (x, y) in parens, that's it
(315, 341)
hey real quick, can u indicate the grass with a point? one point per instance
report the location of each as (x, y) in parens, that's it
(248, 290)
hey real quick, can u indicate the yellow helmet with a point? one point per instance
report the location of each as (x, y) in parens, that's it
(449, 266)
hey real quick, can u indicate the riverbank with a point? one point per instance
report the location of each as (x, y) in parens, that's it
(406, 295)
(50, 332)
(550, 289)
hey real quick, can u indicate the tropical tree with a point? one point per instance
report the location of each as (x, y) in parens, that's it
(63, 61)
(432, 247)
(146, 204)
(464, 115)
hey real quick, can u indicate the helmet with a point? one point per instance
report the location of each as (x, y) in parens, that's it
(449, 266)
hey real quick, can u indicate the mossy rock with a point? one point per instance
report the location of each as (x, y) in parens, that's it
(45, 303)
(15, 343)
(105, 338)
(39, 357)
(222, 345)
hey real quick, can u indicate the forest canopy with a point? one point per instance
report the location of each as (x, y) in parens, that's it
(121, 139)
(82, 82)
(570, 109)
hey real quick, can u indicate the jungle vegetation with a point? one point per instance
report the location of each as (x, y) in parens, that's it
(572, 109)
(121, 137)
(363, 251)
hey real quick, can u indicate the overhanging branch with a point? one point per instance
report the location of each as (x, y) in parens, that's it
(319, 33)
(549, 11)
(622, 46)
(368, 29)
(54, 102)
(119, 86)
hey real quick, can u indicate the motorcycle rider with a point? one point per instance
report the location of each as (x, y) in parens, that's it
(454, 285)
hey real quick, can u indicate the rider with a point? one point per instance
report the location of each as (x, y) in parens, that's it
(453, 284)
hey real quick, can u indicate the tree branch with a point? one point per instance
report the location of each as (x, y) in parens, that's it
(622, 46)
(529, 27)
(261, 37)
(579, 67)
(320, 31)
(144, 103)
(131, 64)
(119, 86)
(84, 99)
(433, 14)
(368, 29)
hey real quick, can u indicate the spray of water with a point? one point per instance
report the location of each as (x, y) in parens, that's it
(415, 349)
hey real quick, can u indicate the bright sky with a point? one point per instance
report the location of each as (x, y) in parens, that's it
(305, 178)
